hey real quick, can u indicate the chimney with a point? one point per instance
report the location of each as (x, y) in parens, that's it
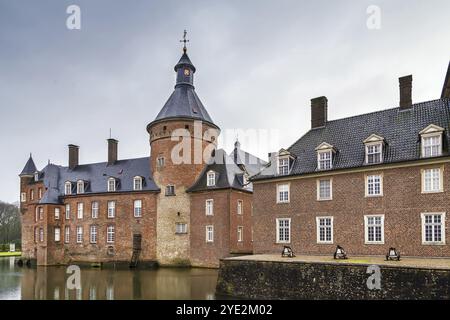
(73, 156)
(112, 151)
(405, 84)
(319, 112)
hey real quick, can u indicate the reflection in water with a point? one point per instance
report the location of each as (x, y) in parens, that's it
(50, 283)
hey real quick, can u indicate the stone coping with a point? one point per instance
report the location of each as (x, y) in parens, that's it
(405, 262)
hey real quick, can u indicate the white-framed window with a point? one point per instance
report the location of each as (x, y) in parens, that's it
(324, 189)
(374, 153)
(41, 234)
(431, 145)
(111, 209)
(31, 194)
(67, 234)
(111, 185)
(432, 180)
(240, 207)
(80, 210)
(374, 185)
(57, 213)
(94, 209)
(325, 160)
(80, 186)
(137, 208)
(160, 161)
(93, 234)
(170, 190)
(324, 229)
(23, 197)
(57, 234)
(211, 179)
(209, 207)
(180, 228)
(282, 193)
(110, 234)
(39, 193)
(240, 233)
(79, 234)
(67, 211)
(433, 228)
(374, 229)
(283, 230)
(137, 183)
(68, 188)
(283, 166)
(36, 176)
(210, 233)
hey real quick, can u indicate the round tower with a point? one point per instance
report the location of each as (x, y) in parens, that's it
(182, 137)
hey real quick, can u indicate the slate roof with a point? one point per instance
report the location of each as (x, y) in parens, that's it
(96, 176)
(400, 129)
(229, 173)
(30, 168)
(446, 87)
(184, 103)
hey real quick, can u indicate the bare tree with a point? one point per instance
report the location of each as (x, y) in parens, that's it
(9, 223)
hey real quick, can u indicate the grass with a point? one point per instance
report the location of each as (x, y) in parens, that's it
(10, 254)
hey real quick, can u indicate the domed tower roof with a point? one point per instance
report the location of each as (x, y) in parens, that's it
(184, 102)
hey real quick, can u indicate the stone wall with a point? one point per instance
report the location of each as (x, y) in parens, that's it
(301, 280)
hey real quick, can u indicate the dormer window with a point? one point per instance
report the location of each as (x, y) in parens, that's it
(284, 161)
(325, 162)
(431, 138)
(36, 176)
(137, 183)
(325, 156)
(283, 166)
(211, 179)
(80, 186)
(374, 149)
(111, 185)
(68, 188)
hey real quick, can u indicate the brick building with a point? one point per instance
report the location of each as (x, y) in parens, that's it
(367, 182)
(188, 203)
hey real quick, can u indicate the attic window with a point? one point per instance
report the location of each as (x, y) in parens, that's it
(374, 149)
(36, 176)
(211, 179)
(325, 160)
(283, 166)
(111, 185)
(137, 183)
(68, 188)
(431, 138)
(80, 186)
(325, 153)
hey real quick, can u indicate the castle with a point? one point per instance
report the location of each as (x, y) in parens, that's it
(188, 203)
(368, 183)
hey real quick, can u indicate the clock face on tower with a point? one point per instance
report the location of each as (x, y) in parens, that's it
(186, 72)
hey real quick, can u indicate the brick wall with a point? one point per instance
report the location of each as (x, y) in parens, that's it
(402, 204)
(50, 252)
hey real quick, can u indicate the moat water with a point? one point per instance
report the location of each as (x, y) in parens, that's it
(50, 283)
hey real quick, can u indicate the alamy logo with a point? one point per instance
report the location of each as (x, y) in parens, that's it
(374, 281)
(74, 280)
(374, 19)
(73, 21)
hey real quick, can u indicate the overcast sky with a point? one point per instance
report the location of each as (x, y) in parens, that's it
(258, 65)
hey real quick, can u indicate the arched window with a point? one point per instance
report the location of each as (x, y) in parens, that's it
(68, 188)
(137, 183)
(80, 186)
(211, 179)
(111, 184)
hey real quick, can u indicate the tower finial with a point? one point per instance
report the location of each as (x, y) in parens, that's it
(184, 41)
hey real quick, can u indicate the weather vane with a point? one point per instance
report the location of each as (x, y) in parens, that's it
(184, 41)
